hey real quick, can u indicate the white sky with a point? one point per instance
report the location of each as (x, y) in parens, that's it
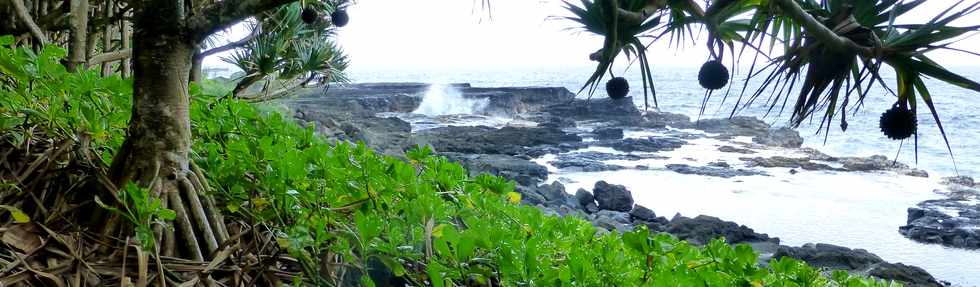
(458, 34)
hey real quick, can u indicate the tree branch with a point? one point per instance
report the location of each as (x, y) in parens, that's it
(224, 14)
(234, 45)
(638, 17)
(25, 16)
(821, 32)
(109, 57)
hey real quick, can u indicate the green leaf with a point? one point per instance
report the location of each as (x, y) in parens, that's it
(18, 215)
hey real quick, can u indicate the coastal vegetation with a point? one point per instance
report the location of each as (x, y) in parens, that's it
(122, 165)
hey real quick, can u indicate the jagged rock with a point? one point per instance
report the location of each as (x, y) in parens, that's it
(872, 163)
(719, 164)
(786, 162)
(621, 217)
(586, 165)
(736, 126)
(584, 197)
(607, 110)
(732, 149)
(913, 172)
(487, 140)
(944, 221)
(658, 119)
(523, 171)
(959, 180)
(856, 261)
(910, 275)
(612, 197)
(640, 212)
(651, 144)
(610, 224)
(781, 137)
(608, 133)
(724, 172)
(702, 229)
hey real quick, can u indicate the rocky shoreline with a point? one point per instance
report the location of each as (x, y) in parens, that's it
(553, 122)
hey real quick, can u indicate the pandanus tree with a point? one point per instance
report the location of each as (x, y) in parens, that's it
(167, 37)
(294, 47)
(831, 57)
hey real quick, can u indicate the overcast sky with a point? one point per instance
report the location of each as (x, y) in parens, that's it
(460, 34)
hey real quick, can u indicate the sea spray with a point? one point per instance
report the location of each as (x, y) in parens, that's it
(442, 99)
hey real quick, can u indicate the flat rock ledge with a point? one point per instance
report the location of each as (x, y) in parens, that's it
(953, 221)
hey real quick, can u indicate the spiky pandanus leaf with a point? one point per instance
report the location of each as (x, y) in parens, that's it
(602, 17)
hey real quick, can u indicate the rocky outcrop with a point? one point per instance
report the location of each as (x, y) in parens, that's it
(621, 111)
(857, 261)
(612, 197)
(702, 229)
(953, 221)
(650, 144)
(522, 171)
(719, 170)
(487, 140)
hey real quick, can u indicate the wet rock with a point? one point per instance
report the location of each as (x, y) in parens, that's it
(651, 144)
(586, 165)
(608, 133)
(830, 256)
(721, 164)
(952, 223)
(621, 217)
(736, 126)
(731, 149)
(612, 197)
(522, 171)
(610, 224)
(640, 212)
(584, 197)
(958, 180)
(658, 119)
(487, 140)
(592, 161)
(910, 275)
(872, 163)
(857, 261)
(385, 135)
(702, 229)
(781, 137)
(786, 162)
(607, 110)
(913, 172)
(715, 171)
(554, 192)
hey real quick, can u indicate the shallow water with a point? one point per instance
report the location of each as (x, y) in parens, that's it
(853, 209)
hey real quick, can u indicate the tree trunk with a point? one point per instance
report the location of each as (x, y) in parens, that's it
(125, 34)
(156, 151)
(78, 25)
(107, 37)
(197, 64)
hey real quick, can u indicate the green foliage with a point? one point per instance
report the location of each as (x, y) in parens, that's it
(142, 210)
(424, 219)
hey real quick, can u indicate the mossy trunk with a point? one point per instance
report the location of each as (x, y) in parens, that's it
(156, 152)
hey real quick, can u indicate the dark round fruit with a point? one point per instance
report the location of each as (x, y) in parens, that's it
(617, 88)
(309, 15)
(898, 123)
(339, 18)
(713, 75)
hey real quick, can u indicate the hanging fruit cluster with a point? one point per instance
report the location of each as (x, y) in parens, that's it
(617, 88)
(898, 123)
(713, 75)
